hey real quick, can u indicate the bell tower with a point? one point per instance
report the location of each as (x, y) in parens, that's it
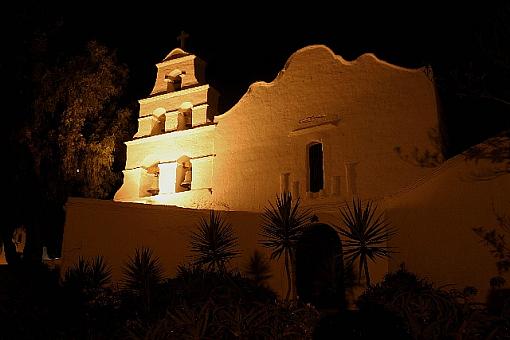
(169, 160)
(180, 98)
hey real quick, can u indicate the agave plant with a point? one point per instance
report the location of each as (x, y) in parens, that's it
(283, 225)
(214, 243)
(246, 321)
(365, 235)
(194, 322)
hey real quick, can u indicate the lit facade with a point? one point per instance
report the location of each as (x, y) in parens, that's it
(325, 129)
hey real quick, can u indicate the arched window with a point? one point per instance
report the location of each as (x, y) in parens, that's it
(315, 167)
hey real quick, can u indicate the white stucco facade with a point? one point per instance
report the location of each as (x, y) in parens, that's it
(325, 129)
(359, 111)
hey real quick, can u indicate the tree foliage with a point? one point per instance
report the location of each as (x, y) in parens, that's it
(72, 120)
(78, 122)
(422, 310)
(495, 240)
(475, 102)
(495, 150)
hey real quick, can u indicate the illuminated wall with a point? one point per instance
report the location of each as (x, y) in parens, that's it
(359, 111)
(113, 230)
(436, 216)
(325, 129)
(170, 159)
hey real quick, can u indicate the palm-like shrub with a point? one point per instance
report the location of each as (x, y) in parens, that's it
(89, 300)
(282, 227)
(365, 235)
(214, 244)
(88, 277)
(142, 276)
(258, 268)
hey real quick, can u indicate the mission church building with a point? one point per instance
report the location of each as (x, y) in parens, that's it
(325, 129)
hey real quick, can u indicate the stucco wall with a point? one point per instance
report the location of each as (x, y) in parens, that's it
(435, 219)
(173, 100)
(192, 69)
(169, 147)
(359, 110)
(114, 230)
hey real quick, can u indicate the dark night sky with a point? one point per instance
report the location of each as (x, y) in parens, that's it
(251, 41)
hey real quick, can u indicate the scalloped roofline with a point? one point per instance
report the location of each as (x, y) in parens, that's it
(335, 56)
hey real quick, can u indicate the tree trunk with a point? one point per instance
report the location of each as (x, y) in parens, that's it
(33, 247)
(293, 274)
(11, 256)
(367, 275)
(289, 279)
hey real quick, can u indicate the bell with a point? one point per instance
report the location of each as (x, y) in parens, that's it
(187, 180)
(154, 185)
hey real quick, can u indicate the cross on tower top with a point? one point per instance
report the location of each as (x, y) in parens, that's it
(182, 38)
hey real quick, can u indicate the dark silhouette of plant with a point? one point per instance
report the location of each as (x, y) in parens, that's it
(425, 312)
(90, 302)
(241, 321)
(283, 225)
(88, 277)
(495, 150)
(142, 277)
(293, 320)
(366, 235)
(214, 243)
(497, 243)
(195, 322)
(75, 116)
(428, 158)
(258, 268)
(232, 320)
(30, 303)
(196, 285)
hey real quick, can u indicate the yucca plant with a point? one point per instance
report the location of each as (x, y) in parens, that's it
(258, 268)
(365, 235)
(214, 244)
(283, 225)
(142, 276)
(89, 277)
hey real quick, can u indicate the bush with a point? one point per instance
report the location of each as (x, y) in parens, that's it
(225, 305)
(412, 305)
